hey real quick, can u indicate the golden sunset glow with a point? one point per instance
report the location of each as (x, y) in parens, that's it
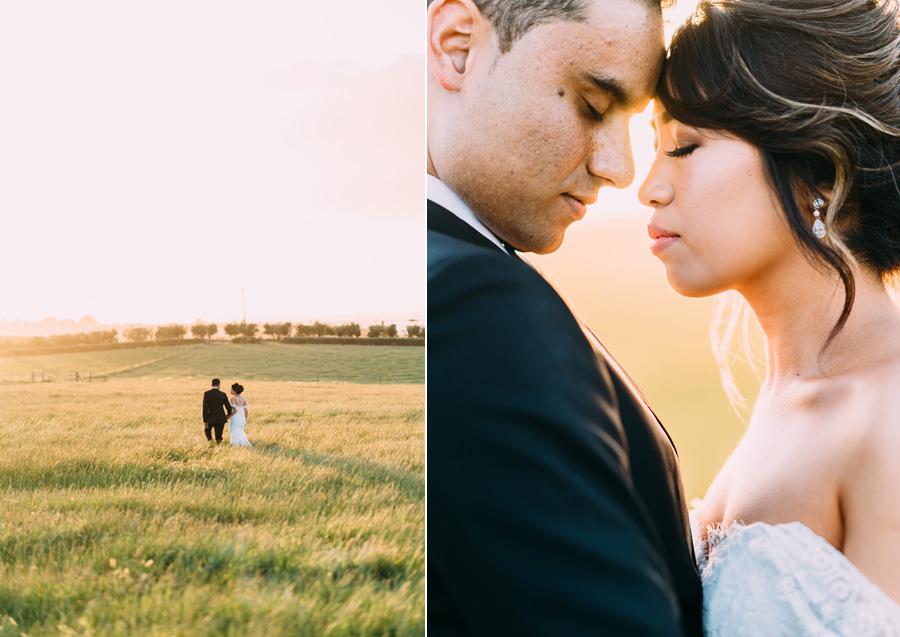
(156, 160)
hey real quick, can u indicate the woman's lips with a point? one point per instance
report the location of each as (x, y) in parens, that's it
(660, 244)
(661, 238)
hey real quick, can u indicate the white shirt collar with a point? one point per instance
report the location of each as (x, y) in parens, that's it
(440, 193)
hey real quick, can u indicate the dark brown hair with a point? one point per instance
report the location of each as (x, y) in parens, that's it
(815, 86)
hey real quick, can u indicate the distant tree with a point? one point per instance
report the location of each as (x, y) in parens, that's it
(414, 331)
(103, 337)
(322, 329)
(375, 331)
(98, 337)
(211, 330)
(65, 339)
(391, 331)
(249, 329)
(168, 332)
(233, 329)
(277, 330)
(199, 330)
(138, 334)
(348, 329)
(284, 329)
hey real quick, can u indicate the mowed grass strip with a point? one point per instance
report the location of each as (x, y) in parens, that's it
(259, 361)
(117, 518)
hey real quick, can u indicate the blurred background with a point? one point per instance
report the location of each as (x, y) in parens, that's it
(613, 283)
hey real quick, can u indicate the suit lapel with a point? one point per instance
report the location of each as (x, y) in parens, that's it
(626, 380)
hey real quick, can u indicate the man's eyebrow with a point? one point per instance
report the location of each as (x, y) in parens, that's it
(613, 87)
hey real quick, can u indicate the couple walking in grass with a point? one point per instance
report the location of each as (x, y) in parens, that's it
(218, 409)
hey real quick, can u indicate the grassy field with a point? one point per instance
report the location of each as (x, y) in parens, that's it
(118, 518)
(263, 361)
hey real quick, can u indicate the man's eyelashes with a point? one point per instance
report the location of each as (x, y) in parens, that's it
(592, 112)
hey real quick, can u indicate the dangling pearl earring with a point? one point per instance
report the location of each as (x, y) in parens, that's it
(818, 226)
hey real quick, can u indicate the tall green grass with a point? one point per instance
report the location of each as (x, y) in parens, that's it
(118, 518)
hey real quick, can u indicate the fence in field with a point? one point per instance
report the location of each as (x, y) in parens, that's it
(45, 376)
(78, 376)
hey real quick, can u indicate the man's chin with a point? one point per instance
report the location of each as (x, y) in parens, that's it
(528, 238)
(544, 245)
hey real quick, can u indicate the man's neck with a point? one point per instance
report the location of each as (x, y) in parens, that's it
(441, 194)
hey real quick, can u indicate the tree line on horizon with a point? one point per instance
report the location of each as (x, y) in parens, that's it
(235, 331)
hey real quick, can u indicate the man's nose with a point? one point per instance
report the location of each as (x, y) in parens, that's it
(611, 158)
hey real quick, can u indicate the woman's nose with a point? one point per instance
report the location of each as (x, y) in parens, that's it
(655, 191)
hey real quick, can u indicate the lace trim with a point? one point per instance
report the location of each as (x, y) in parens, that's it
(791, 575)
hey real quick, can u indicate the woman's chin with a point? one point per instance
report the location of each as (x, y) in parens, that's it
(691, 288)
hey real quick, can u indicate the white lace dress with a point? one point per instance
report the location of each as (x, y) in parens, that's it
(236, 425)
(777, 580)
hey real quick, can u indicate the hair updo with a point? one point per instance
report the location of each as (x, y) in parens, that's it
(815, 86)
(237, 388)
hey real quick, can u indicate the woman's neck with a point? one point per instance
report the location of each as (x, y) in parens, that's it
(799, 306)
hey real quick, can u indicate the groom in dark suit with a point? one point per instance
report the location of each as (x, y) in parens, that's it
(217, 410)
(555, 504)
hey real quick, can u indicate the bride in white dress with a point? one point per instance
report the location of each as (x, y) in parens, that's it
(239, 418)
(776, 179)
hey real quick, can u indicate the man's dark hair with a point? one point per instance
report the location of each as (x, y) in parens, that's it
(216, 382)
(512, 19)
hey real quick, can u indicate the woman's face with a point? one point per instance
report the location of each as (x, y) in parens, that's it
(717, 224)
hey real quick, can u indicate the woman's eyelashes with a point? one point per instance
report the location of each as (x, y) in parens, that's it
(682, 151)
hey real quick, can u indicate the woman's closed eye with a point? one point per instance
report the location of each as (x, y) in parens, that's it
(682, 151)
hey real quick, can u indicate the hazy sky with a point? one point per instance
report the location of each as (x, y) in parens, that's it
(157, 157)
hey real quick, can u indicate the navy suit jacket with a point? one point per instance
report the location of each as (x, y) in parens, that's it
(216, 407)
(555, 505)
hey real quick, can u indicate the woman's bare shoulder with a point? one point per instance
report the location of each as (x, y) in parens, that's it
(870, 500)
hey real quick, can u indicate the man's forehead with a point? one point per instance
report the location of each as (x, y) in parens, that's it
(626, 70)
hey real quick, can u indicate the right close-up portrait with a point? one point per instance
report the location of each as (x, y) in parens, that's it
(663, 346)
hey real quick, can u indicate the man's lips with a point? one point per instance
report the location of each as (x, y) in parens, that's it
(661, 237)
(579, 203)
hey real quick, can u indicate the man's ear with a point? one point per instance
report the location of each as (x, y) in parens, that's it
(452, 28)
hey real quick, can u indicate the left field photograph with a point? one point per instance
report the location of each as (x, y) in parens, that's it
(212, 334)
